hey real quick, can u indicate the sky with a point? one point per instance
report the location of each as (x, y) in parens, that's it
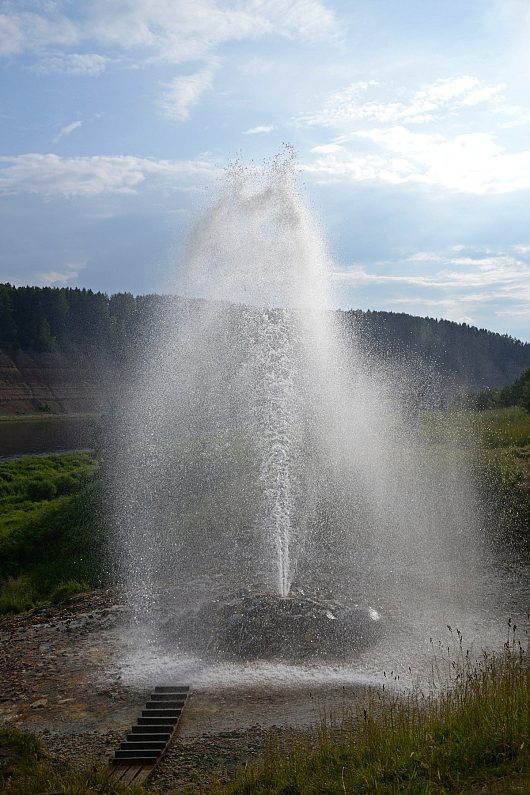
(410, 121)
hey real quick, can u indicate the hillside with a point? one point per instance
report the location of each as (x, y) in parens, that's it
(63, 349)
(55, 382)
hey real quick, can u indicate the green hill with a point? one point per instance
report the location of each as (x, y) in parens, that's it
(64, 347)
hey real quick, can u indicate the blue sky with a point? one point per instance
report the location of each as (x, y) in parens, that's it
(410, 119)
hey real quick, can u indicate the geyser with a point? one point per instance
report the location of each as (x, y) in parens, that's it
(259, 445)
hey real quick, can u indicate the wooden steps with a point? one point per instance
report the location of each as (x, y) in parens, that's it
(147, 741)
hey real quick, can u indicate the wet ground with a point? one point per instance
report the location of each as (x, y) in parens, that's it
(70, 674)
(61, 677)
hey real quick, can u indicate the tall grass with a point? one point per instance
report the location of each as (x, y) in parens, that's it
(26, 768)
(493, 428)
(496, 447)
(472, 734)
(509, 427)
(16, 594)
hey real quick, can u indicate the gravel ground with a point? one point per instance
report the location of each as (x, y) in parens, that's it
(58, 679)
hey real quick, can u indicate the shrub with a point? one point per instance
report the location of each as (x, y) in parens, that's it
(41, 490)
(66, 484)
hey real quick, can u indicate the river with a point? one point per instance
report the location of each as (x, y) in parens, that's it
(26, 435)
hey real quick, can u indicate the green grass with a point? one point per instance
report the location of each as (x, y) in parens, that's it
(51, 531)
(476, 734)
(25, 769)
(494, 428)
(509, 427)
(16, 595)
(17, 474)
(496, 446)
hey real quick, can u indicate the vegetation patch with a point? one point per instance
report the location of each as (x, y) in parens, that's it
(472, 737)
(52, 536)
(26, 768)
(496, 443)
(475, 735)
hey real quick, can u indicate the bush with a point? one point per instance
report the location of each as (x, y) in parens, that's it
(41, 490)
(66, 484)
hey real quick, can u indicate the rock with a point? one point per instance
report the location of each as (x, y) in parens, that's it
(254, 624)
(40, 702)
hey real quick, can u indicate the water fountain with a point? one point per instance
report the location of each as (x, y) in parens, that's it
(270, 495)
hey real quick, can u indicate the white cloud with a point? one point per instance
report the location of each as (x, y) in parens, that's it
(514, 311)
(184, 92)
(52, 176)
(444, 96)
(255, 66)
(261, 129)
(11, 36)
(179, 30)
(459, 272)
(71, 271)
(87, 64)
(469, 163)
(457, 285)
(171, 30)
(327, 149)
(150, 31)
(35, 32)
(68, 129)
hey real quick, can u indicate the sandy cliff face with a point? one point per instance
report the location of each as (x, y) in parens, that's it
(66, 383)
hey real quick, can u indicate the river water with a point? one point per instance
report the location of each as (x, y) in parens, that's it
(47, 434)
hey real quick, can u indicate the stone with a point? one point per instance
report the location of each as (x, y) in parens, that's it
(254, 624)
(40, 702)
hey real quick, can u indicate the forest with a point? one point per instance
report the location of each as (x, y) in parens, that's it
(73, 320)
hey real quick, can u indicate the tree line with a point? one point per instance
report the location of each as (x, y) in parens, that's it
(516, 394)
(68, 320)
(64, 319)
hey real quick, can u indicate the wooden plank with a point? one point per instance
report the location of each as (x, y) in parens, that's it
(143, 774)
(140, 769)
(117, 773)
(130, 774)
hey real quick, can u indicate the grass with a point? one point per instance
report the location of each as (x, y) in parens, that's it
(64, 471)
(51, 536)
(494, 428)
(509, 427)
(16, 594)
(496, 444)
(25, 768)
(474, 735)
